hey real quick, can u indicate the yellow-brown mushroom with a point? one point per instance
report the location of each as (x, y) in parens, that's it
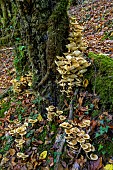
(61, 117)
(65, 125)
(86, 136)
(72, 142)
(93, 157)
(81, 133)
(81, 140)
(20, 129)
(86, 122)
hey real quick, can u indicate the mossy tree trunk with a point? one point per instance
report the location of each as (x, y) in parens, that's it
(44, 29)
(4, 13)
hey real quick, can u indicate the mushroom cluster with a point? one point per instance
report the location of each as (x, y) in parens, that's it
(72, 65)
(19, 130)
(25, 81)
(77, 137)
(53, 112)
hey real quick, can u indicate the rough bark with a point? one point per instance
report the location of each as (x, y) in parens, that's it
(44, 28)
(4, 13)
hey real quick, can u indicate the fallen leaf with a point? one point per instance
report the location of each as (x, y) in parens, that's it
(80, 100)
(95, 165)
(85, 83)
(43, 155)
(39, 117)
(51, 161)
(13, 161)
(4, 160)
(108, 167)
(45, 168)
(12, 152)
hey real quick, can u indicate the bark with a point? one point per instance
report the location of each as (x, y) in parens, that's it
(44, 28)
(4, 13)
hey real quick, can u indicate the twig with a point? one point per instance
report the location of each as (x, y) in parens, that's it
(6, 93)
(64, 134)
(59, 151)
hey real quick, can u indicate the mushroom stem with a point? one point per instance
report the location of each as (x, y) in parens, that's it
(71, 105)
(78, 152)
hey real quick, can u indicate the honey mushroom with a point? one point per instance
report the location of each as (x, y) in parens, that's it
(72, 65)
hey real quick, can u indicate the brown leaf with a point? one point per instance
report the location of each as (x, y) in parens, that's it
(93, 124)
(29, 166)
(12, 152)
(12, 161)
(45, 168)
(51, 161)
(80, 100)
(65, 101)
(39, 130)
(0, 156)
(37, 142)
(95, 165)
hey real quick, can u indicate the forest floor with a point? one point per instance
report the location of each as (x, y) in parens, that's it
(24, 130)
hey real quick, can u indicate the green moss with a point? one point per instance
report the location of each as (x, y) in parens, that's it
(100, 76)
(4, 107)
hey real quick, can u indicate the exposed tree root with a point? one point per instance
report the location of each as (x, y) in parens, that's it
(62, 141)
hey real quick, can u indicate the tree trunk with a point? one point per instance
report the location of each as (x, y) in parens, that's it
(44, 29)
(4, 13)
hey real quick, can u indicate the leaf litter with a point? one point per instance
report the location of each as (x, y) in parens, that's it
(40, 146)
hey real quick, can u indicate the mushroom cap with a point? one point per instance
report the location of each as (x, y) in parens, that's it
(50, 116)
(72, 142)
(61, 71)
(87, 150)
(72, 146)
(81, 133)
(86, 136)
(32, 121)
(59, 63)
(76, 53)
(22, 155)
(81, 140)
(89, 145)
(82, 71)
(62, 117)
(75, 130)
(84, 146)
(19, 145)
(20, 129)
(62, 84)
(22, 133)
(20, 141)
(81, 125)
(86, 122)
(66, 125)
(93, 156)
(12, 131)
(68, 57)
(68, 137)
(59, 112)
(60, 58)
(50, 108)
(68, 131)
(92, 148)
(25, 124)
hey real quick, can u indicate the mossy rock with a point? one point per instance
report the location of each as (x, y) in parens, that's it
(100, 76)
